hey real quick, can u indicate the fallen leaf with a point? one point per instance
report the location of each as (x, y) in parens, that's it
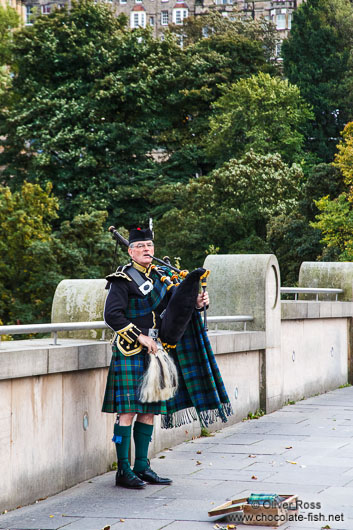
(230, 526)
(289, 447)
(198, 463)
(252, 456)
(254, 478)
(199, 452)
(161, 456)
(290, 462)
(326, 527)
(51, 516)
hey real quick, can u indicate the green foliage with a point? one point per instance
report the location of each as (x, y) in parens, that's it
(293, 238)
(335, 217)
(344, 158)
(89, 105)
(231, 50)
(255, 415)
(316, 58)
(25, 218)
(34, 260)
(212, 23)
(263, 113)
(335, 221)
(9, 20)
(228, 209)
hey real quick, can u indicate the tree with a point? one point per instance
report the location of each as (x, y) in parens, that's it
(335, 221)
(25, 218)
(90, 102)
(344, 157)
(335, 217)
(217, 52)
(212, 23)
(292, 237)
(34, 259)
(228, 209)
(263, 113)
(9, 20)
(316, 58)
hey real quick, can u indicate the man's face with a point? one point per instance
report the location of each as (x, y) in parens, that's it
(141, 251)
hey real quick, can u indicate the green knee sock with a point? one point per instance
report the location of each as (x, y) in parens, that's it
(122, 437)
(142, 438)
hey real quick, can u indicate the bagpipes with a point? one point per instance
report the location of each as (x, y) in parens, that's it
(160, 381)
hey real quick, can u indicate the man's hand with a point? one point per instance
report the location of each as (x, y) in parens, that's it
(202, 300)
(150, 343)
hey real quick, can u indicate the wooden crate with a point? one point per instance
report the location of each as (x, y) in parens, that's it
(259, 515)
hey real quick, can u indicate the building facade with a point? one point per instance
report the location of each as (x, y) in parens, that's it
(158, 14)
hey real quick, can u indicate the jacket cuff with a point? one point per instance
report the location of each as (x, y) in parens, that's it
(129, 333)
(127, 340)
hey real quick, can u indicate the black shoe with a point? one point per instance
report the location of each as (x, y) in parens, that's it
(128, 479)
(152, 478)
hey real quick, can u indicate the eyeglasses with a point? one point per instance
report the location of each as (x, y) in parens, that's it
(144, 245)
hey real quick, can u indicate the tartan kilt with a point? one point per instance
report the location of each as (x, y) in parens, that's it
(122, 388)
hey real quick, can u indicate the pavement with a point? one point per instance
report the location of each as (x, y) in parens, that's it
(304, 449)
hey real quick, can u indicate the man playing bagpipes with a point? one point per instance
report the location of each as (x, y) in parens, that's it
(162, 360)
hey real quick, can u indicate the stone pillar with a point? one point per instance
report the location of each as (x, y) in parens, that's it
(249, 284)
(333, 275)
(79, 301)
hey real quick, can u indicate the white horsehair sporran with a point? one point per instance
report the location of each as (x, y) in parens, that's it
(160, 381)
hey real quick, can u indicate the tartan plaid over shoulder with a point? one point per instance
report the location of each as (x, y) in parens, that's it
(139, 307)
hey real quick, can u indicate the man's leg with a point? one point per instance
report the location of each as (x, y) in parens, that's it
(122, 437)
(143, 429)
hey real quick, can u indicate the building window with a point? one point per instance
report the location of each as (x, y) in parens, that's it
(179, 15)
(281, 22)
(46, 9)
(138, 1)
(151, 21)
(123, 1)
(164, 18)
(138, 19)
(29, 15)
